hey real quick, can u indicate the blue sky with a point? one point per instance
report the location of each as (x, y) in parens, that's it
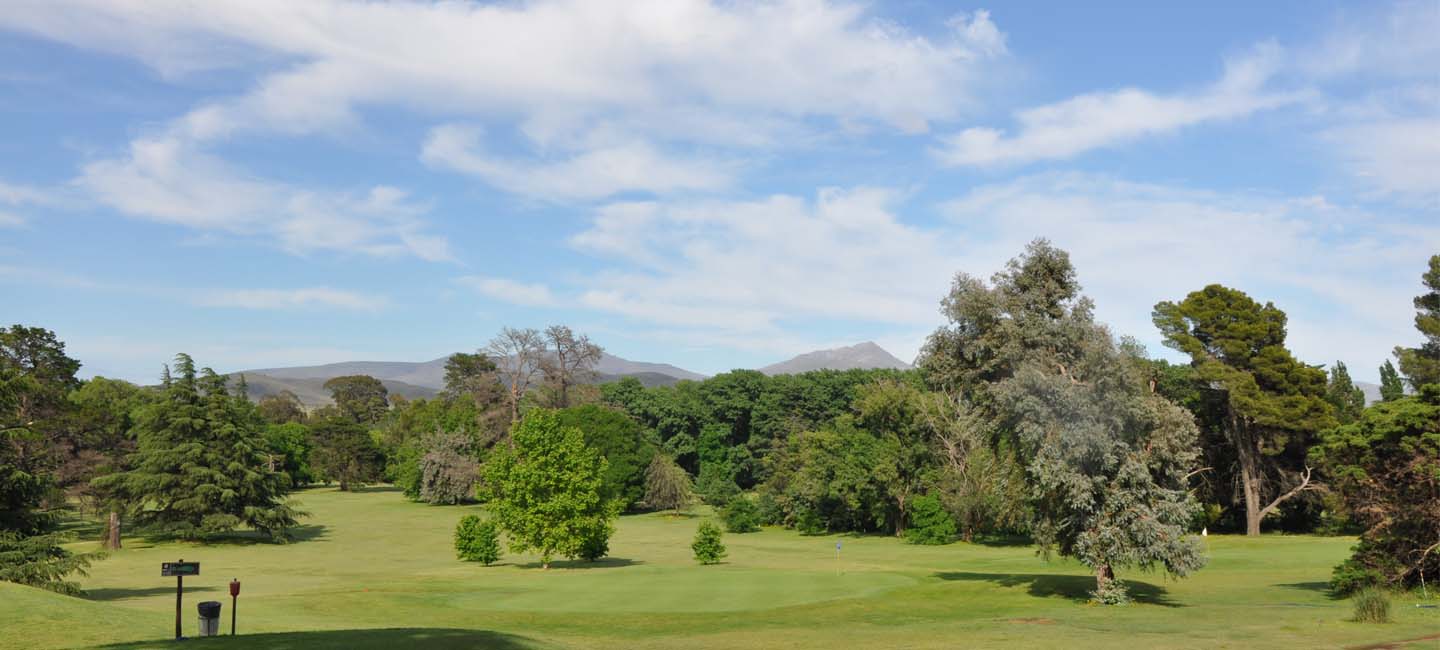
(713, 185)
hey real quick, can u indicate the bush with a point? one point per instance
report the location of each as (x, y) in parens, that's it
(930, 523)
(715, 485)
(809, 522)
(477, 540)
(707, 545)
(597, 541)
(741, 515)
(1352, 577)
(1372, 606)
(769, 510)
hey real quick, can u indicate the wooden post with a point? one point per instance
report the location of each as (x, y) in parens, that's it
(179, 590)
(112, 534)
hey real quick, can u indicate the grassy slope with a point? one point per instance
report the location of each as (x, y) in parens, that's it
(372, 560)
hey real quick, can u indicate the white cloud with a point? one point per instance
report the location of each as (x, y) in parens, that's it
(785, 274)
(16, 196)
(593, 173)
(1102, 119)
(324, 297)
(757, 267)
(605, 92)
(9, 220)
(794, 57)
(1397, 156)
(520, 293)
(166, 179)
(1345, 277)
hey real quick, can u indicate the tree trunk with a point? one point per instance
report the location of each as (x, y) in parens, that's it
(112, 532)
(1247, 451)
(1104, 575)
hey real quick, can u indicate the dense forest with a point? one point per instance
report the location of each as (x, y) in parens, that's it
(1025, 418)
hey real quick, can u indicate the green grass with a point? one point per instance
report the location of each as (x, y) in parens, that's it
(375, 571)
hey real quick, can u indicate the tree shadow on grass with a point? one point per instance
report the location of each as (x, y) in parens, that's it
(141, 592)
(1002, 541)
(1076, 588)
(379, 639)
(1318, 587)
(602, 563)
(298, 534)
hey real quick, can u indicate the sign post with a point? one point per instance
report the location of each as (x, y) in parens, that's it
(179, 570)
(837, 557)
(234, 602)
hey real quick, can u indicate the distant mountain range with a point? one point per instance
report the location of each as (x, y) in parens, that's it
(427, 378)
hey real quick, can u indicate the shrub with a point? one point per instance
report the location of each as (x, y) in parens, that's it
(809, 522)
(715, 485)
(741, 515)
(707, 545)
(930, 523)
(477, 540)
(1353, 576)
(769, 510)
(597, 540)
(1372, 606)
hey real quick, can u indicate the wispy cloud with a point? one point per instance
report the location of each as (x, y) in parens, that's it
(309, 297)
(1103, 119)
(511, 291)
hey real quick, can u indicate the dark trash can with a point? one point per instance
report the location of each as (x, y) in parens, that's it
(209, 618)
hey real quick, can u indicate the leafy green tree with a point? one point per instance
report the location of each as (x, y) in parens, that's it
(1421, 365)
(897, 413)
(1274, 404)
(929, 522)
(623, 443)
(465, 373)
(287, 449)
(980, 481)
(201, 467)
(837, 476)
(361, 398)
(716, 483)
(477, 540)
(1392, 387)
(708, 546)
(1386, 468)
(667, 485)
(343, 451)
(1342, 393)
(741, 515)
(548, 489)
(283, 407)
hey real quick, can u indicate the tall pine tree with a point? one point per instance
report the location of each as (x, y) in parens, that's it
(1421, 365)
(201, 468)
(1392, 387)
(1342, 393)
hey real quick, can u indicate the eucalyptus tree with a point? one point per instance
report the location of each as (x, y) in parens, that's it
(1106, 457)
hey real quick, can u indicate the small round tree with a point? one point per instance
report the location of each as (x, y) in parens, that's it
(477, 540)
(707, 545)
(929, 522)
(741, 515)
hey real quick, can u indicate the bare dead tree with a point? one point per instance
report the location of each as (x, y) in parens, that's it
(572, 359)
(519, 356)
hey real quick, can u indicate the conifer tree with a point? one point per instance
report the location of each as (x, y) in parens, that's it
(1392, 387)
(1421, 365)
(201, 467)
(1342, 393)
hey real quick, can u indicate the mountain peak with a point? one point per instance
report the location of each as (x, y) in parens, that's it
(864, 355)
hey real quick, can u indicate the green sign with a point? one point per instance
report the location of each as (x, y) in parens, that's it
(174, 569)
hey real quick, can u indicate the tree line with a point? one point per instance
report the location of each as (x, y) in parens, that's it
(1024, 416)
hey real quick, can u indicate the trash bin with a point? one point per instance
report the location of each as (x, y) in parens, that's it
(210, 618)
